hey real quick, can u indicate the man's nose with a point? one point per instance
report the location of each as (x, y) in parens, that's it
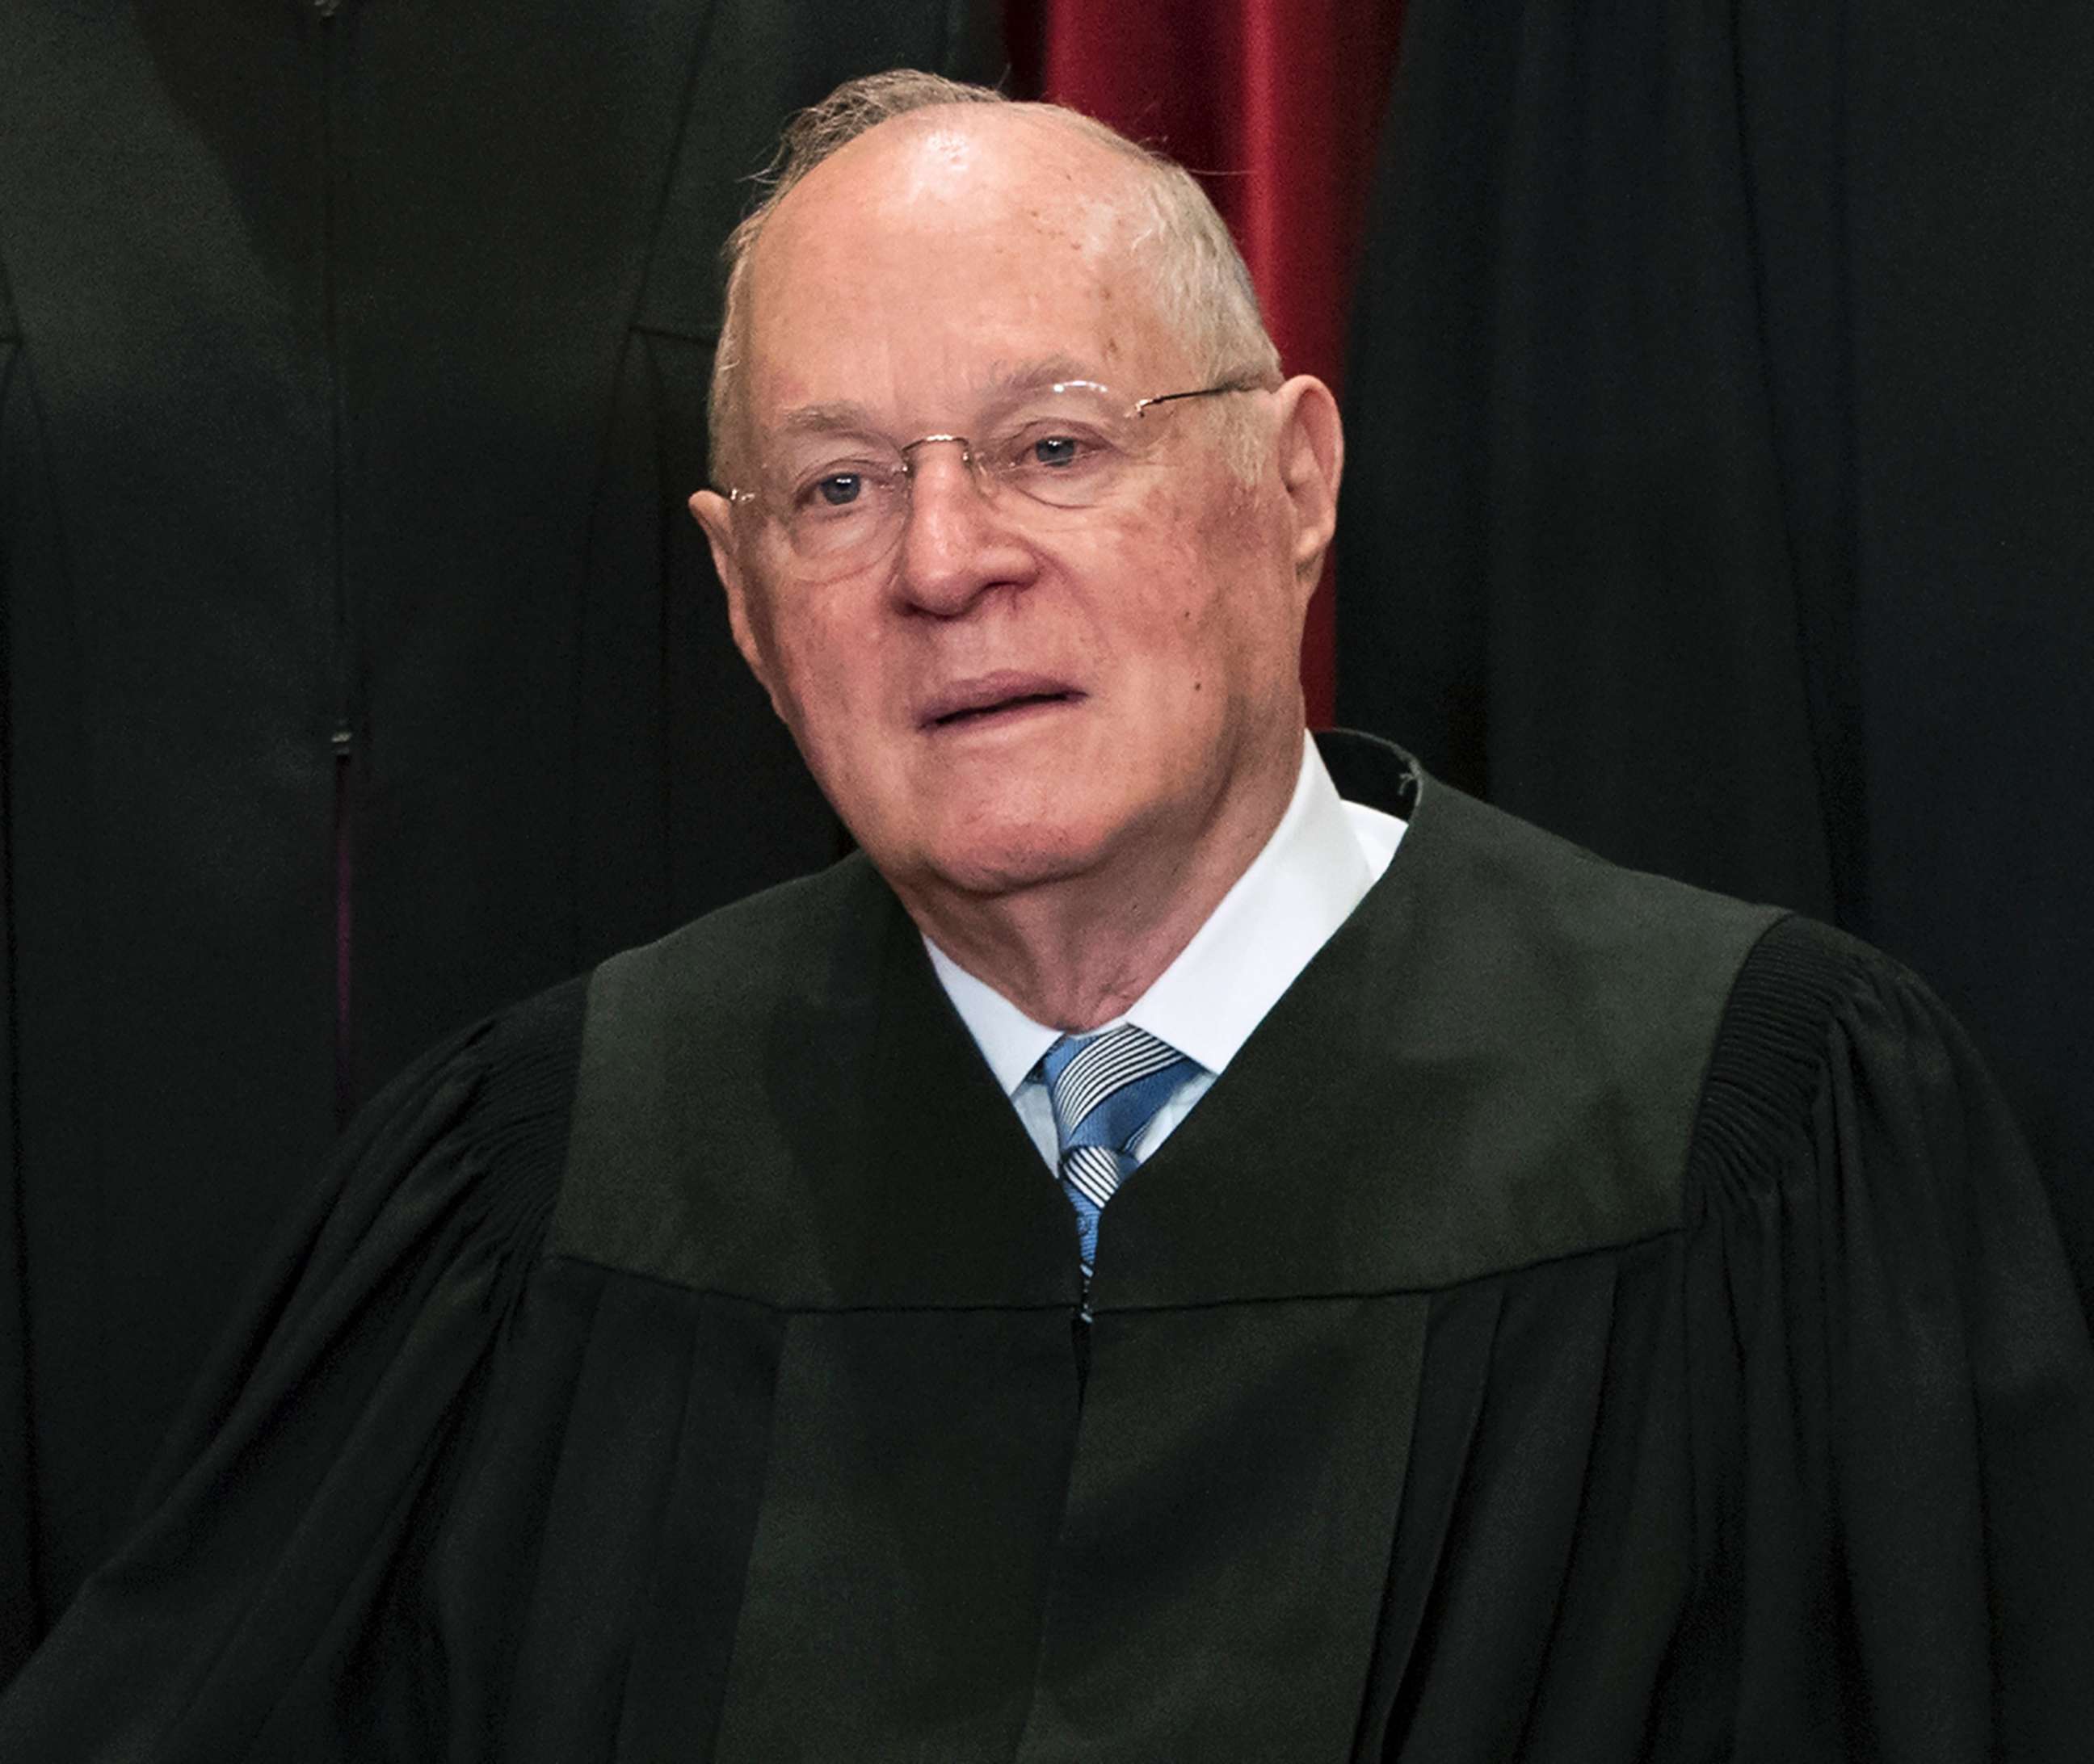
(958, 540)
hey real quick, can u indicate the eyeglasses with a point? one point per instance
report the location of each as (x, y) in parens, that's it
(843, 500)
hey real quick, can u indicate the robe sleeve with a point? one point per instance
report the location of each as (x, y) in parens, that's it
(1893, 1374)
(285, 1511)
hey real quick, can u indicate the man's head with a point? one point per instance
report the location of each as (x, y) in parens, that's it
(1201, 282)
(1038, 670)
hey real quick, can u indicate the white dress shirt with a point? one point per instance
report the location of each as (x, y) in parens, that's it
(1322, 859)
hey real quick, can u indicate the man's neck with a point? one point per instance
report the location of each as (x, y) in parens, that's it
(1077, 952)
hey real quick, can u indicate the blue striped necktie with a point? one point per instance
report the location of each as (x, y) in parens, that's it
(1106, 1088)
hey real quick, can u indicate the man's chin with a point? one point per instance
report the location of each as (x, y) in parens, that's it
(993, 873)
(985, 865)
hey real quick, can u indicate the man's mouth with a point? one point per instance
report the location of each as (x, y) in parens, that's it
(993, 697)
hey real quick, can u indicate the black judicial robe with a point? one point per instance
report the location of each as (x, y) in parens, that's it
(1590, 1319)
(353, 371)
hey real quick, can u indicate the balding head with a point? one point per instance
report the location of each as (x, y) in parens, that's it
(1202, 291)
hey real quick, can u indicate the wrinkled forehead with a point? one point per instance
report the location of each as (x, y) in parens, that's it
(921, 265)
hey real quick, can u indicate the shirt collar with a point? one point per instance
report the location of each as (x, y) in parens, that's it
(1318, 863)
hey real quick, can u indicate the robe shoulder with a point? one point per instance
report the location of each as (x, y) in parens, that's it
(1888, 1366)
(804, 947)
(1833, 1065)
(322, 1424)
(282, 1593)
(1500, 1054)
(1801, 1473)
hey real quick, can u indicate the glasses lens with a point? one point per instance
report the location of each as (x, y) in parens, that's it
(1067, 448)
(835, 504)
(844, 499)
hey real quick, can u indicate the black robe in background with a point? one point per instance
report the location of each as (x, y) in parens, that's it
(1589, 1319)
(1720, 488)
(352, 378)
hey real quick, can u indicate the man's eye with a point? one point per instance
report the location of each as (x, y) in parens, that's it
(1042, 451)
(839, 491)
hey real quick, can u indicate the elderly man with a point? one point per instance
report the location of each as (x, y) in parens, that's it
(1195, 1246)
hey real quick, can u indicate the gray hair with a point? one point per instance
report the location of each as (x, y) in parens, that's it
(1202, 285)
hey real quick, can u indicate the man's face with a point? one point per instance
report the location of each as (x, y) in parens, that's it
(1010, 695)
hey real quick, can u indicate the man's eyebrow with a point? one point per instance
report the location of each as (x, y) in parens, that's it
(822, 419)
(1000, 382)
(1036, 375)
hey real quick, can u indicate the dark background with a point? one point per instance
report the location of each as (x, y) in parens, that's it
(1721, 495)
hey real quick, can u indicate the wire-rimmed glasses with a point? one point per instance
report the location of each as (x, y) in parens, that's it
(841, 498)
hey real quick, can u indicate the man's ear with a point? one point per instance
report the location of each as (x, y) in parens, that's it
(713, 512)
(1312, 458)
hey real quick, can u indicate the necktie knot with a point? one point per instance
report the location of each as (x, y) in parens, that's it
(1106, 1088)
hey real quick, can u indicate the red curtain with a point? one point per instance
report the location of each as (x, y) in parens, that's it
(1275, 104)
